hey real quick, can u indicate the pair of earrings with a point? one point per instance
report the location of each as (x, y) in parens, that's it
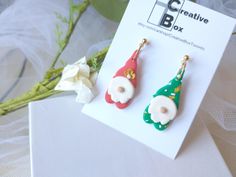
(164, 105)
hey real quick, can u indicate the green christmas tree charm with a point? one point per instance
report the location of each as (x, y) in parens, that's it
(165, 102)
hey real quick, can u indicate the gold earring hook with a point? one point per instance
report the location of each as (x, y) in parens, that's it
(141, 45)
(186, 58)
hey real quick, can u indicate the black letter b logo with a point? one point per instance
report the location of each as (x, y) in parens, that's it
(167, 20)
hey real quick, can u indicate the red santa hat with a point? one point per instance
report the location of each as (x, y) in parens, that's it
(123, 83)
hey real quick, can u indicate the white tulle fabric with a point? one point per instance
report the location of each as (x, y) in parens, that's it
(227, 7)
(220, 101)
(30, 27)
(27, 34)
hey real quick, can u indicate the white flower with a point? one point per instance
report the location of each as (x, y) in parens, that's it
(162, 109)
(121, 89)
(77, 77)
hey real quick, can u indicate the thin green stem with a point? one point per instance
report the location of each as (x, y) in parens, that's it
(71, 27)
(46, 87)
(15, 106)
(95, 62)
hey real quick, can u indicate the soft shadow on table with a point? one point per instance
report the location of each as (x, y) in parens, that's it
(195, 133)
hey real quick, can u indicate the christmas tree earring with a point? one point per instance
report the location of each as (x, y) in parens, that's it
(165, 102)
(122, 86)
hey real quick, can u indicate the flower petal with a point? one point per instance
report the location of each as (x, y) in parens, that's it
(86, 81)
(81, 61)
(84, 70)
(76, 77)
(64, 85)
(69, 72)
(93, 77)
(84, 94)
(83, 67)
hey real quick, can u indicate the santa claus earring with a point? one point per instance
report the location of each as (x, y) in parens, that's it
(164, 104)
(122, 86)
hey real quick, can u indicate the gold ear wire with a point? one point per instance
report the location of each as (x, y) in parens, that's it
(141, 45)
(185, 59)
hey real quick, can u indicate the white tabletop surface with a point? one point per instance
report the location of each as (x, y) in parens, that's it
(66, 143)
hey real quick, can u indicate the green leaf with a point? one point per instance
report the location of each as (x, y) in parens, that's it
(60, 17)
(111, 9)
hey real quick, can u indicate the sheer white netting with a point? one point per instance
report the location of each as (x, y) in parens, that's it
(27, 39)
(220, 101)
(227, 7)
(29, 26)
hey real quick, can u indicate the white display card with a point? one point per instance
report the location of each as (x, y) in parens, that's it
(173, 28)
